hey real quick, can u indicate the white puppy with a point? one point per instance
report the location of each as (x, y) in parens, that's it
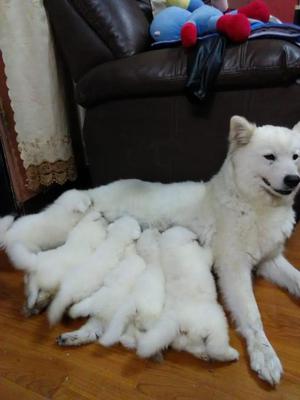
(89, 276)
(43, 231)
(104, 302)
(144, 305)
(47, 268)
(191, 319)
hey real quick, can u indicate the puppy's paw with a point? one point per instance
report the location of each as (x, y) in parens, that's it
(79, 310)
(68, 339)
(84, 204)
(30, 311)
(294, 286)
(77, 338)
(75, 201)
(265, 362)
(42, 301)
(158, 357)
(128, 341)
(230, 355)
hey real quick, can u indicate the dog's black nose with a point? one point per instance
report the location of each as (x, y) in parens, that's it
(291, 181)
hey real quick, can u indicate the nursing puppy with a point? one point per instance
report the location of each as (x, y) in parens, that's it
(143, 306)
(244, 213)
(89, 276)
(47, 268)
(102, 304)
(191, 319)
(43, 230)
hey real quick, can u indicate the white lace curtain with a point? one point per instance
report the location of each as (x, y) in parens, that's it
(35, 91)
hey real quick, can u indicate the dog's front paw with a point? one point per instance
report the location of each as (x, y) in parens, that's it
(265, 362)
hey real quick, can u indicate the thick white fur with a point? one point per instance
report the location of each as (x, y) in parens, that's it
(244, 219)
(143, 306)
(89, 276)
(103, 303)
(48, 268)
(191, 319)
(116, 285)
(43, 231)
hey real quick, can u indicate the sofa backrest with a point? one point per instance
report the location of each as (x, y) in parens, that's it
(90, 32)
(121, 24)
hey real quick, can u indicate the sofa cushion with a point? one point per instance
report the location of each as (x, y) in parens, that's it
(260, 62)
(121, 24)
(256, 63)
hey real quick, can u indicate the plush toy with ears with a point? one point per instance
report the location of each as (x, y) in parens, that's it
(188, 19)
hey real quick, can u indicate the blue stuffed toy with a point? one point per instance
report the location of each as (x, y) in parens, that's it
(194, 18)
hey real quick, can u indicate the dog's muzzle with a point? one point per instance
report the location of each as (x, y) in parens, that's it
(283, 192)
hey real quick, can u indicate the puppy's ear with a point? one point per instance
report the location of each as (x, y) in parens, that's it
(297, 127)
(241, 131)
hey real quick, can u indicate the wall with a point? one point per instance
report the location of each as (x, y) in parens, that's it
(283, 9)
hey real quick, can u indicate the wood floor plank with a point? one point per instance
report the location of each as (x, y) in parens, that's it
(12, 391)
(33, 367)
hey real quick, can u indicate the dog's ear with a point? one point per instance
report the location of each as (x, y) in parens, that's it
(297, 127)
(241, 130)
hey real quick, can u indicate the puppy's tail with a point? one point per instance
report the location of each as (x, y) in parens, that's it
(58, 306)
(159, 337)
(119, 323)
(5, 224)
(22, 258)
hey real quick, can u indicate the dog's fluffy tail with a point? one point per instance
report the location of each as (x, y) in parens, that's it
(58, 306)
(22, 258)
(5, 224)
(119, 323)
(159, 337)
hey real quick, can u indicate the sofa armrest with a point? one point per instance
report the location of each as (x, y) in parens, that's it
(121, 24)
(153, 72)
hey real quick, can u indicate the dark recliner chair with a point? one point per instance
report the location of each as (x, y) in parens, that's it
(139, 122)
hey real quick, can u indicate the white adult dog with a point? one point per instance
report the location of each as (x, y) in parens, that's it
(244, 213)
(192, 319)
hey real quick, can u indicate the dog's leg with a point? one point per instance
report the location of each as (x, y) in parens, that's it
(36, 299)
(31, 290)
(236, 285)
(90, 332)
(281, 272)
(130, 337)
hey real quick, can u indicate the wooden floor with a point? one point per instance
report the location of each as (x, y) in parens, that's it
(33, 367)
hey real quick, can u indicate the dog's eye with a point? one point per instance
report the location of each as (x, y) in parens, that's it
(270, 157)
(295, 156)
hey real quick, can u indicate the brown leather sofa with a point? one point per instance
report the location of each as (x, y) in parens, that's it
(139, 122)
